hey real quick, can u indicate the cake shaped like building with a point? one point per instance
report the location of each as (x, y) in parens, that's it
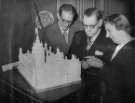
(44, 69)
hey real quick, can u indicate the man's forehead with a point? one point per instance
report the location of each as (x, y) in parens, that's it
(109, 26)
(90, 20)
(64, 12)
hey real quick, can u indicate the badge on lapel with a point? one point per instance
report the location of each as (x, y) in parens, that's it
(99, 53)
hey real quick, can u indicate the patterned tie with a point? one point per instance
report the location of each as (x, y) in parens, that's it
(89, 44)
(66, 36)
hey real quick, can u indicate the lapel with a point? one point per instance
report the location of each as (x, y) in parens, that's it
(58, 35)
(71, 34)
(124, 51)
(81, 43)
(96, 45)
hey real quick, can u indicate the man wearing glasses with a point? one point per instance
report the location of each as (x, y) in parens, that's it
(91, 41)
(89, 44)
(60, 33)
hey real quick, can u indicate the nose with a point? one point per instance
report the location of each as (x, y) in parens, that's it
(88, 29)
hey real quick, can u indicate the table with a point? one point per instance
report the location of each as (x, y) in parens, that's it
(12, 83)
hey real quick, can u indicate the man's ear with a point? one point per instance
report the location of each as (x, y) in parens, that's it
(100, 22)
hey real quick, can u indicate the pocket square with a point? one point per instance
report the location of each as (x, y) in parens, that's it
(98, 53)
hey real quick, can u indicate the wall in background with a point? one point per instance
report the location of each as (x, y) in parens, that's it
(80, 5)
(115, 6)
(108, 6)
(16, 27)
(16, 20)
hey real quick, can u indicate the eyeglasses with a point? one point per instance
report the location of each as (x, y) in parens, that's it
(66, 21)
(90, 26)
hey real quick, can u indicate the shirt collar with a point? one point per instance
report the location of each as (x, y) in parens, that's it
(123, 44)
(119, 47)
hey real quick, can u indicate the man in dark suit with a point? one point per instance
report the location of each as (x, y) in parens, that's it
(119, 74)
(91, 42)
(60, 34)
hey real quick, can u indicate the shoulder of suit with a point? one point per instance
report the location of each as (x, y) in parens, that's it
(79, 35)
(52, 26)
(132, 44)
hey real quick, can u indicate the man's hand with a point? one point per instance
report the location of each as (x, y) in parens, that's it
(85, 65)
(92, 61)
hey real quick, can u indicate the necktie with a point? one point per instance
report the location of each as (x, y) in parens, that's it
(66, 36)
(89, 44)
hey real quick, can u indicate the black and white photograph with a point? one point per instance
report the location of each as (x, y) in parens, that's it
(67, 51)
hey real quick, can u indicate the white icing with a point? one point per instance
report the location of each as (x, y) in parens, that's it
(44, 69)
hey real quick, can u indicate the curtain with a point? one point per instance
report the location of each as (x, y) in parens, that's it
(80, 5)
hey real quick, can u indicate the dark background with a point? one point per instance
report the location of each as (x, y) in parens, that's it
(17, 22)
(17, 26)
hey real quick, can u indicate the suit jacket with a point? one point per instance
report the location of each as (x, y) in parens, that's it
(53, 37)
(101, 44)
(90, 81)
(119, 74)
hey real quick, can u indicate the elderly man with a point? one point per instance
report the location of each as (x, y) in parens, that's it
(60, 34)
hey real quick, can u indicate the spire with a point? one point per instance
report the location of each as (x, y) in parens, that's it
(38, 49)
(37, 36)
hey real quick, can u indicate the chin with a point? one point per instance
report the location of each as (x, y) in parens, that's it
(88, 34)
(116, 42)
